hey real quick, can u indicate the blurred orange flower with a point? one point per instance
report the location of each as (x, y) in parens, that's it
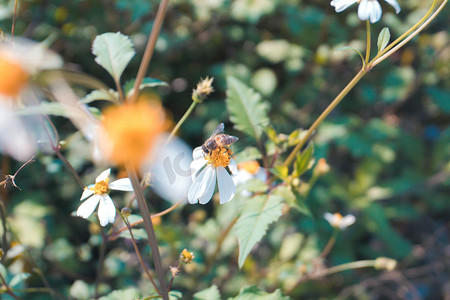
(129, 132)
(13, 77)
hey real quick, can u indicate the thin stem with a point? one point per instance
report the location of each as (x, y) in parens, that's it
(408, 31)
(8, 289)
(164, 212)
(389, 53)
(349, 266)
(173, 277)
(368, 41)
(138, 253)
(160, 14)
(330, 244)
(13, 26)
(181, 121)
(68, 165)
(119, 90)
(101, 260)
(5, 247)
(132, 174)
(324, 114)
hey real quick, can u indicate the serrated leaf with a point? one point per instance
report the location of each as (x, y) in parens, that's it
(383, 39)
(147, 82)
(211, 293)
(17, 279)
(247, 110)
(303, 161)
(351, 49)
(258, 212)
(281, 172)
(254, 293)
(113, 52)
(139, 234)
(107, 95)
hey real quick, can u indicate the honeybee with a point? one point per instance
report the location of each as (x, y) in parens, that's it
(218, 139)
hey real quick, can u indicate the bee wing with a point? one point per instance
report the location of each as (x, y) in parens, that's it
(231, 139)
(218, 130)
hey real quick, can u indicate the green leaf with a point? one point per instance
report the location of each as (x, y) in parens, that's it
(17, 279)
(113, 52)
(249, 153)
(292, 199)
(174, 295)
(247, 110)
(351, 49)
(211, 293)
(147, 82)
(47, 108)
(258, 212)
(139, 234)
(281, 172)
(254, 293)
(383, 39)
(107, 95)
(253, 186)
(303, 161)
(130, 293)
(296, 136)
(3, 271)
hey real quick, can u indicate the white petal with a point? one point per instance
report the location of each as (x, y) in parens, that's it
(196, 165)
(195, 187)
(198, 153)
(375, 12)
(341, 5)
(227, 189)
(394, 4)
(233, 167)
(103, 176)
(329, 217)
(209, 184)
(106, 210)
(86, 194)
(364, 10)
(87, 207)
(347, 221)
(123, 184)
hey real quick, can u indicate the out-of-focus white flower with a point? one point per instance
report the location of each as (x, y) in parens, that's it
(19, 61)
(249, 170)
(170, 173)
(98, 193)
(206, 170)
(367, 9)
(338, 221)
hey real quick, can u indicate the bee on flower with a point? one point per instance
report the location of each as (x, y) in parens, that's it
(367, 9)
(19, 62)
(98, 195)
(213, 162)
(337, 221)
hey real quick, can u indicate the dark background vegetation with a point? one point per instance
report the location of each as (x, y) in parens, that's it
(387, 145)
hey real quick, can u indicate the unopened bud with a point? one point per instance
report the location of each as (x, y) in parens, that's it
(126, 212)
(186, 256)
(322, 167)
(384, 263)
(174, 270)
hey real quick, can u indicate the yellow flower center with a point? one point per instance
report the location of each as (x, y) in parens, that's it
(251, 166)
(219, 157)
(100, 187)
(338, 216)
(12, 77)
(130, 131)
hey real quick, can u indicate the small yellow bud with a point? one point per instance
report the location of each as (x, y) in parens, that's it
(186, 256)
(204, 88)
(384, 263)
(322, 167)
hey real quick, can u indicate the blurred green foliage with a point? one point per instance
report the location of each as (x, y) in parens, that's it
(388, 145)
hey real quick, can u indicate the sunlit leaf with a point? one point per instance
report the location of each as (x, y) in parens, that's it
(292, 199)
(303, 161)
(138, 234)
(113, 52)
(258, 212)
(107, 95)
(247, 110)
(211, 293)
(351, 49)
(383, 39)
(147, 82)
(254, 293)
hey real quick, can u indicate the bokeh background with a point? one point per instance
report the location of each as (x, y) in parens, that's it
(388, 145)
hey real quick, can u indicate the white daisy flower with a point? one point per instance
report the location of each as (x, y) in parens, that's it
(338, 221)
(206, 170)
(247, 171)
(367, 9)
(98, 193)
